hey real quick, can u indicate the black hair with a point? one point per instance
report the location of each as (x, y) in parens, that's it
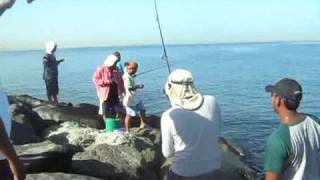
(292, 105)
(117, 53)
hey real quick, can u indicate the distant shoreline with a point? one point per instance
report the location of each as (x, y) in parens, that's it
(154, 45)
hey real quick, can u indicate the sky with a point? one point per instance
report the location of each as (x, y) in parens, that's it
(91, 23)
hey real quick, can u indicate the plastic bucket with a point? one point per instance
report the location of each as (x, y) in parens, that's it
(112, 124)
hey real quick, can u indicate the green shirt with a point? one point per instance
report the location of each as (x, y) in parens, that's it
(293, 151)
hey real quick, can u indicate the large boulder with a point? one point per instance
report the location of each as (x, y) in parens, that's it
(138, 157)
(73, 135)
(22, 134)
(44, 157)
(22, 113)
(27, 100)
(59, 176)
(119, 162)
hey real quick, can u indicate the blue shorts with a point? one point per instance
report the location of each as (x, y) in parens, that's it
(132, 110)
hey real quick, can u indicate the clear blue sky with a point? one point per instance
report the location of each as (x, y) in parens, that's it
(88, 23)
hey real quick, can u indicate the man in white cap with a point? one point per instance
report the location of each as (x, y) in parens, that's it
(50, 72)
(110, 88)
(293, 150)
(190, 130)
(10, 166)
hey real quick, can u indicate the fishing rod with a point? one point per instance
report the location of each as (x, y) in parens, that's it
(164, 56)
(151, 70)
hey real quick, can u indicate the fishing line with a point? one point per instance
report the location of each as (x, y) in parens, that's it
(151, 70)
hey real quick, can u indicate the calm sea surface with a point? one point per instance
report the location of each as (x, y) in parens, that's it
(235, 73)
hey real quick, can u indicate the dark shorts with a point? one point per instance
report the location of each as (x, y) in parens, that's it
(111, 110)
(208, 176)
(52, 86)
(5, 172)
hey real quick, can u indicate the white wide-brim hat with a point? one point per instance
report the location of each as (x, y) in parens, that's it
(181, 91)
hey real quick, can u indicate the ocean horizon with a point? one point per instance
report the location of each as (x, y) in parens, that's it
(235, 73)
(171, 44)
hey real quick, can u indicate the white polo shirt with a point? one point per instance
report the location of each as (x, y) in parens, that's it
(5, 115)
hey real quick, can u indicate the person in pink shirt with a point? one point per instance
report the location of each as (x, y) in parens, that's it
(110, 88)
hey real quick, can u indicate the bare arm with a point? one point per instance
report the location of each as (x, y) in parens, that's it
(8, 151)
(167, 140)
(60, 61)
(271, 176)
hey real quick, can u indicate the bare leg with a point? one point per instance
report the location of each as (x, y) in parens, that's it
(142, 120)
(49, 98)
(55, 99)
(100, 122)
(127, 122)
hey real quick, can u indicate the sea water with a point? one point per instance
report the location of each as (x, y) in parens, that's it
(235, 73)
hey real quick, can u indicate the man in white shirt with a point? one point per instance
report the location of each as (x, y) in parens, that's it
(8, 157)
(190, 130)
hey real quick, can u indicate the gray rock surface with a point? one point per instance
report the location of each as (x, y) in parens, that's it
(67, 113)
(59, 176)
(44, 157)
(121, 162)
(22, 134)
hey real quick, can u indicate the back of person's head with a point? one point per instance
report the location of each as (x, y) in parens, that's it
(181, 92)
(117, 53)
(289, 90)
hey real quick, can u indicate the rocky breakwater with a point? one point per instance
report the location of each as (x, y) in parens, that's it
(63, 143)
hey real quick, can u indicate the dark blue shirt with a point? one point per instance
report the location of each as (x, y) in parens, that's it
(50, 67)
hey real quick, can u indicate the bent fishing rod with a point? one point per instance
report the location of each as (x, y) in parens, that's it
(164, 56)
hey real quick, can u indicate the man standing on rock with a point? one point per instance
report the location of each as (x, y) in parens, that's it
(110, 89)
(190, 130)
(293, 150)
(8, 157)
(50, 72)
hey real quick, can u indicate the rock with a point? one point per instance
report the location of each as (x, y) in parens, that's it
(23, 114)
(22, 134)
(107, 155)
(59, 176)
(81, 138)
(92, 109)
(27, 100)
(151, 120)
(137, 157)
(71, 134)
(116, 162)
(44, 157)
(68, 113)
